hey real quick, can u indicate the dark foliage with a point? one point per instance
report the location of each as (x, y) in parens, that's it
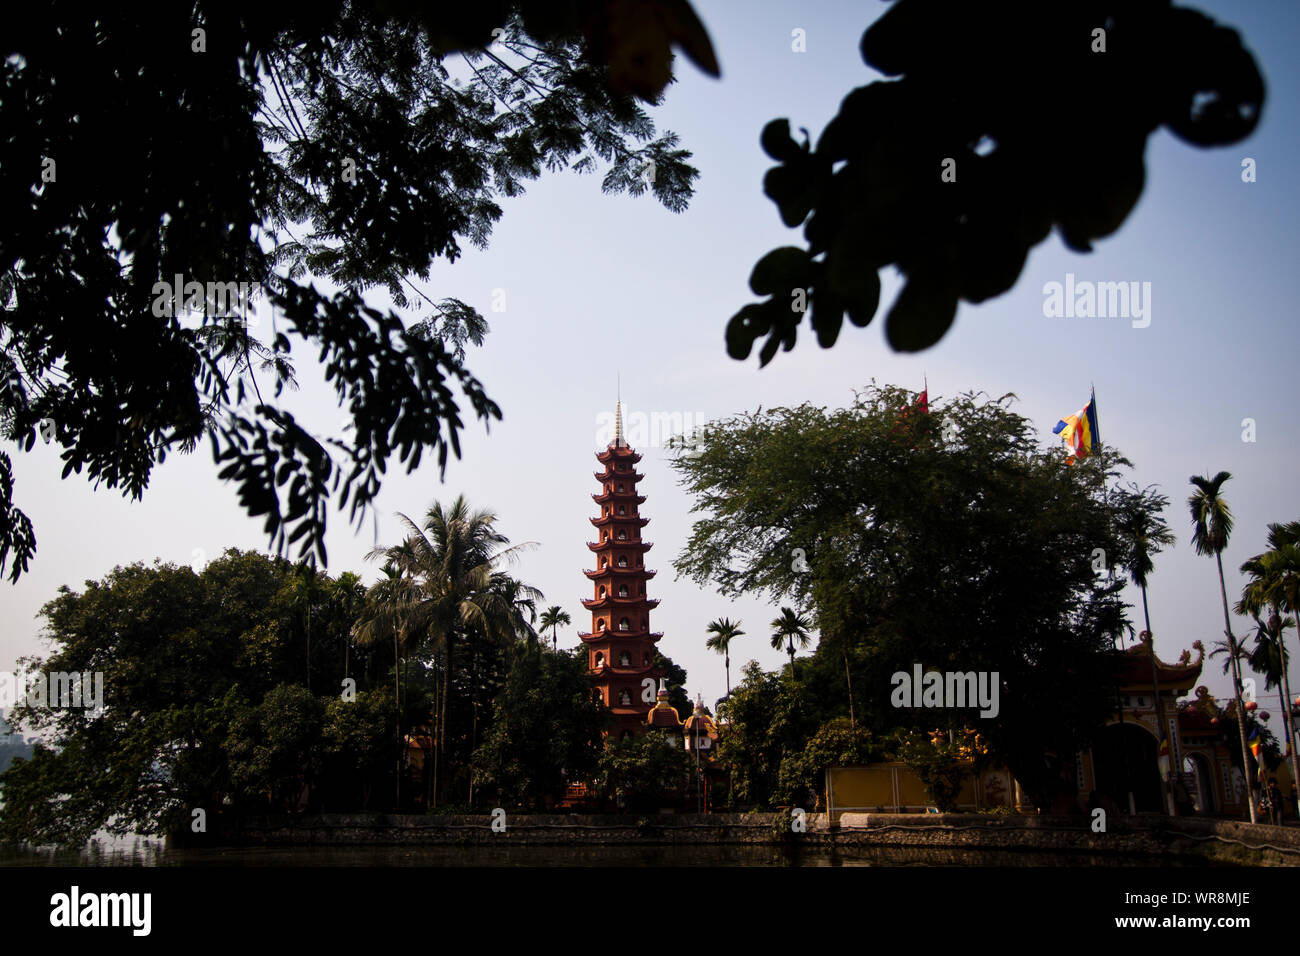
(1036, 125)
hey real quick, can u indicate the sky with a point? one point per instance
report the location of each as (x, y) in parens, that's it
(605, 295)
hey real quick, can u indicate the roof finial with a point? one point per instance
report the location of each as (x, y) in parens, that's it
(618, 417)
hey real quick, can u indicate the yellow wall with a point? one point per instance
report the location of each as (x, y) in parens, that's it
(895, 788)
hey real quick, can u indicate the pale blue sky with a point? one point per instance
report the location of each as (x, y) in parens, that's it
(596, 286)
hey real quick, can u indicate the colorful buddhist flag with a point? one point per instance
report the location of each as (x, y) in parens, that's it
(1079, 431)
(1256, 745)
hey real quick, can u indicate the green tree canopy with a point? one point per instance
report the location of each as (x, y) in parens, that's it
(950, 539)
(646, 769)
(801, 778)
(546, 732)
(444, 593)
(205, 703)
(768, 721)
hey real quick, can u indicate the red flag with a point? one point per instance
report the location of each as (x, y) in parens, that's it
(922, 402)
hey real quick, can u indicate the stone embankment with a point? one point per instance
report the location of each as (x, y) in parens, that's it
(1212, 840)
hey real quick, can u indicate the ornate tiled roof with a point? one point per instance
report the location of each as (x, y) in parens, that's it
(1135, 666)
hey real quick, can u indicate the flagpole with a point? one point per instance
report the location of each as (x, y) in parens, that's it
(1105, 497)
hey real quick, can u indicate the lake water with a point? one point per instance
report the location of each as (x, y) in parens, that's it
(146, 851)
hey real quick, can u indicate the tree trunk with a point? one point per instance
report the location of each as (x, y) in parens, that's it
(431, 799)
(1236, 691)
(1286, 712)
(1128, 775)
(397, 701)
(442, 736)
(848, 679)
(1165, 785)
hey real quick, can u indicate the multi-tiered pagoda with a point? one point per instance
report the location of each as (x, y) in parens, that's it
(620, 645)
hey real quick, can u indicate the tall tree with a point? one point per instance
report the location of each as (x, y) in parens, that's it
(723, 632)
(1274, 583)
(1226, 650)
(962, 549)
(1211, 528)
(197, 670)
(520, 601)
(1268, 657)
(789, 628)
(555, 617)
(449, 591)
(386, 614)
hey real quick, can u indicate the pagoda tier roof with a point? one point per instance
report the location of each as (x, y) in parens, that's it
(619, 572)
(607, 668)
(619, 452)
(603, 545)
(1135, 667)
(588, 637)
(615, 519)
(630, 602)
(608, 473)
(618, 496)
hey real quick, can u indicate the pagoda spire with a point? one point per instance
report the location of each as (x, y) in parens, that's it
(618, 424)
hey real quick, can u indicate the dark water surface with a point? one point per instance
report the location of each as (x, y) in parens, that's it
(144, 851)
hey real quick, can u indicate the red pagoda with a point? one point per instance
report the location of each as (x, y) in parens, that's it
(620, 644)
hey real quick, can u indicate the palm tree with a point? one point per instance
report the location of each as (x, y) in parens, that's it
(1211, 528)
(554, 618)
(303, 581)
(520, 599)
(1147, 533)
(790, 627)
(723, 631)
(1269, 658)
(450, 589)
(385, 612)
(1275, 584)
(1221, 649)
